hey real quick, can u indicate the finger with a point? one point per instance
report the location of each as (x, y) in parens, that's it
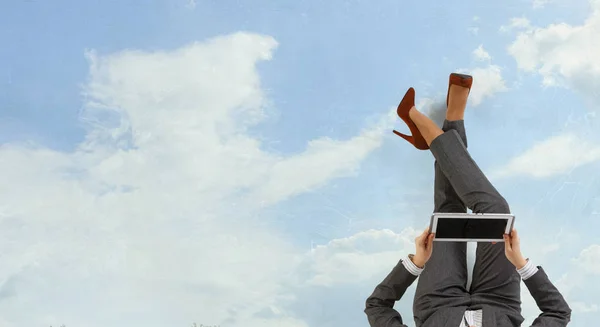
(507, 244)
(419, 241)
(426, 231)
(493, 242)
(515, 237)
(426, 239)
(424, 235)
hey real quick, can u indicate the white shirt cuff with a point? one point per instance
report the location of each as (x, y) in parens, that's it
(411, 267)
(528, 270)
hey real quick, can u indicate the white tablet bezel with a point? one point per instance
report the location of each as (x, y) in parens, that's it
(436, 215)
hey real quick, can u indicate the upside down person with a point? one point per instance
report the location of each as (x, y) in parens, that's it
(442, 298)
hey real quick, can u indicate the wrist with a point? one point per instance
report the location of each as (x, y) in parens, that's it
(418, 261)
(519, 264)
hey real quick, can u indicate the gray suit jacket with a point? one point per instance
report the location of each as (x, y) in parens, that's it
(380, 305)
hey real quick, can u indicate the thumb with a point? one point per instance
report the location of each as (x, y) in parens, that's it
(430, 242)
(516, 243)
(426, 231)
(507, 245)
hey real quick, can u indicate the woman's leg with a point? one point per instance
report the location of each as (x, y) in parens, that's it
(466, 178)
(495, 280)
(443, 282)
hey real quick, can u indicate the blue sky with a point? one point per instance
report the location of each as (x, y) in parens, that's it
(232, 163)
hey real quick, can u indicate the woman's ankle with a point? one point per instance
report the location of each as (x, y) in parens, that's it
(453, 113)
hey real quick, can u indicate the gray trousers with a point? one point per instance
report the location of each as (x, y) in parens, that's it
(460, 184)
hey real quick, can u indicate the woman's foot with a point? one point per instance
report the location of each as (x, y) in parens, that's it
(459, 87)
(427, 128)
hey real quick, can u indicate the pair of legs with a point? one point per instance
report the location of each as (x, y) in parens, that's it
(460, 184)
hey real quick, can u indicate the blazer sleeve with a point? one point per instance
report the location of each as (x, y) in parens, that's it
(555, 310)
(380, 305)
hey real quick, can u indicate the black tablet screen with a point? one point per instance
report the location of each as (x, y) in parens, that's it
(470, 228)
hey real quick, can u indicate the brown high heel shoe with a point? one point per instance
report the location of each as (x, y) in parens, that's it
(403, 108)
(460, 80)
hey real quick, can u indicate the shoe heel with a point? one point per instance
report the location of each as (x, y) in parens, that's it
(410, 139)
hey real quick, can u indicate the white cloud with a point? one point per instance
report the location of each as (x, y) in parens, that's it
(557, 155)
(481, 54)
(538, 4)
(153, 217)
(577, 285)
(563, 54)
(191, 4)
(359, 257)
(474, 29)
(516, 23)
(589, 260)
(487, 81)
(582, 267)
(318, 163)
(581, 307)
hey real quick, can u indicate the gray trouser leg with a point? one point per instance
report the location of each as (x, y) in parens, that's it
(443, 282)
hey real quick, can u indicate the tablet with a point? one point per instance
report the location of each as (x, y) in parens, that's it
(471, 227)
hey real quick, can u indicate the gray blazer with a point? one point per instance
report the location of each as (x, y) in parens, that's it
(380, 305)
